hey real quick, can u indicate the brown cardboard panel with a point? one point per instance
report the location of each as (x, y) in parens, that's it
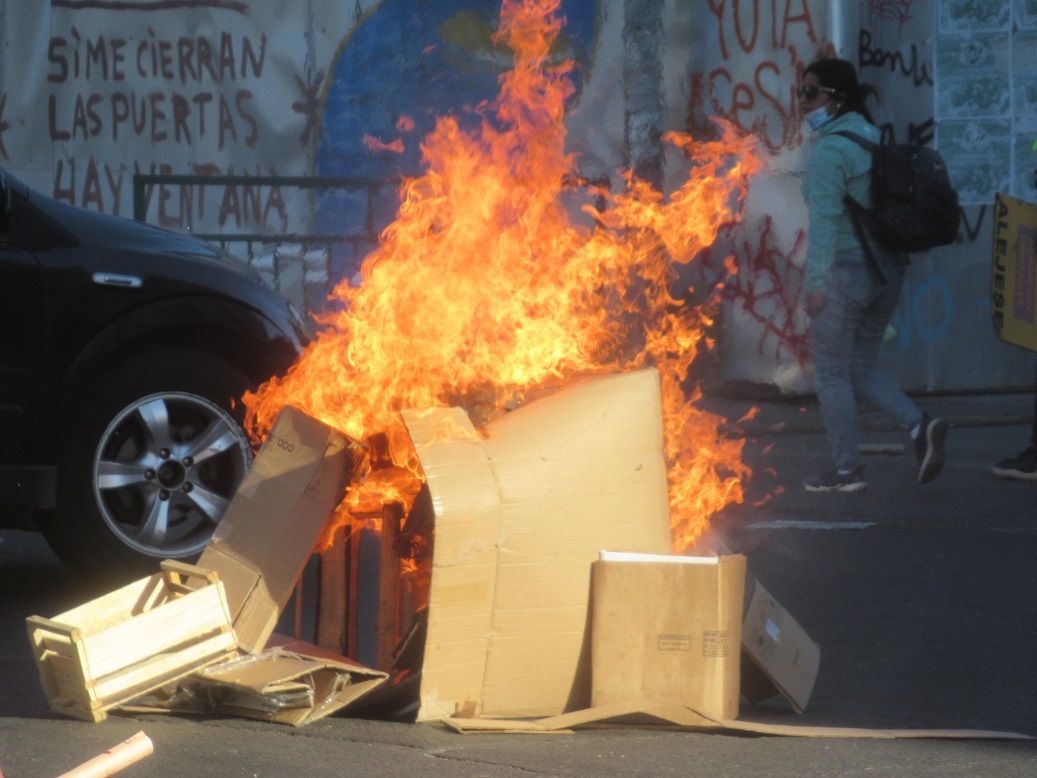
(579, 471)
(274, 519)
(519, 518)
(779, 647)
(668, 628)
(466, 502)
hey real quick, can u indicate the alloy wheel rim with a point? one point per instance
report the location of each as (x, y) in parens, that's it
(164, 471)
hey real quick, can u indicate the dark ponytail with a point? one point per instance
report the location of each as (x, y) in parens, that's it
(840, 75)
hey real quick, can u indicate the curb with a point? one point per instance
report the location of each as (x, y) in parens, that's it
(759, 429)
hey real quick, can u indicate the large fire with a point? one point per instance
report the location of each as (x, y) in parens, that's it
(490, 283)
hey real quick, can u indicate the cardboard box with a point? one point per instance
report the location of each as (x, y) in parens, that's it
(136, 638)
(519, 518)
(290, 682)
(1014, 271)
(672, 629)
(668, 628)
(275, 518)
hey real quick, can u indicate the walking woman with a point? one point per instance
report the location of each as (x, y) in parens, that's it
(850, 300)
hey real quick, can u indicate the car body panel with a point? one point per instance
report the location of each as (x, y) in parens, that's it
(61, 324)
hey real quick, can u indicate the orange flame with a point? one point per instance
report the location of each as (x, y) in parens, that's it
(376, 145)
(490, 282)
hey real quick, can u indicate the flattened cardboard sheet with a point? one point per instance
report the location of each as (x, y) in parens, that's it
(650, 713)
(291, 682)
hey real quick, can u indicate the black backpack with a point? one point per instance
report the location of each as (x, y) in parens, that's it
(913, 205)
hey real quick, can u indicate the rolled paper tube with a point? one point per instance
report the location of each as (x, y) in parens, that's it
(114, 759)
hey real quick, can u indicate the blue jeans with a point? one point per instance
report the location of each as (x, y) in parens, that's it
(845, 339)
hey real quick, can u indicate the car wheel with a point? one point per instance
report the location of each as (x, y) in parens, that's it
(150, 464)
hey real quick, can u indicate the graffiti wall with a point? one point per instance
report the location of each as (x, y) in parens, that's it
(952, 74)
(741, 62)
(94, 91)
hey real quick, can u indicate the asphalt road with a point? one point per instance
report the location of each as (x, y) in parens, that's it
(923, 600)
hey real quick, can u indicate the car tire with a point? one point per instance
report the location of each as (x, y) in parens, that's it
(148, 465)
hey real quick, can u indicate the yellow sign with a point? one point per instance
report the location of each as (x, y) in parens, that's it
(1014, 280)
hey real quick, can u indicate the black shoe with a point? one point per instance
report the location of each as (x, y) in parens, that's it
(1023, 466)
(929, 448)
(834, 481)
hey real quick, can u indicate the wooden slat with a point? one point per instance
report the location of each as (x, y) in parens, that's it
(160, 669)
(108, 609)
(172, 623)
(331, 599)
(388, 586)
(353, 596)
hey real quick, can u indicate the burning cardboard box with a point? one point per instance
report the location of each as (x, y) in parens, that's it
(516, 518)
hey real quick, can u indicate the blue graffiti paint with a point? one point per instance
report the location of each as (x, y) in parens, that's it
(934, 295)
(925, 310)
(419, 60)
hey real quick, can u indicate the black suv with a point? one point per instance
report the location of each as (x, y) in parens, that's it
(124, 352)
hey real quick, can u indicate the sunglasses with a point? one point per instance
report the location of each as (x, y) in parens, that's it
(809, 91)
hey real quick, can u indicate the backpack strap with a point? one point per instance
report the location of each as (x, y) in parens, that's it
(856, 214)
(857, 210)
(860, 140)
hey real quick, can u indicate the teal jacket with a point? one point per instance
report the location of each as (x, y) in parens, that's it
(837, 166)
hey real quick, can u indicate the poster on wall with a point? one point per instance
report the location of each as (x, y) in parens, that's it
(1014, 272)
(986, 96)
(978, 152)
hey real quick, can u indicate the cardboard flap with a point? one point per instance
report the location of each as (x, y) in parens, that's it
(239, 578)
(272, 523)
(779, 657)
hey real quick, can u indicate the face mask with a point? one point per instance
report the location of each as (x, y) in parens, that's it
(818, 118)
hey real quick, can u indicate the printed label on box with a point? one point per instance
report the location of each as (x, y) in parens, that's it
(674, 642)
(714, 642)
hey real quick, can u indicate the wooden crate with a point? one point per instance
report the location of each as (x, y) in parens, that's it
(132, 640)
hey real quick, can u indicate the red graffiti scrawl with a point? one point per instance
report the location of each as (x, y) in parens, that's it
(765, 282)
